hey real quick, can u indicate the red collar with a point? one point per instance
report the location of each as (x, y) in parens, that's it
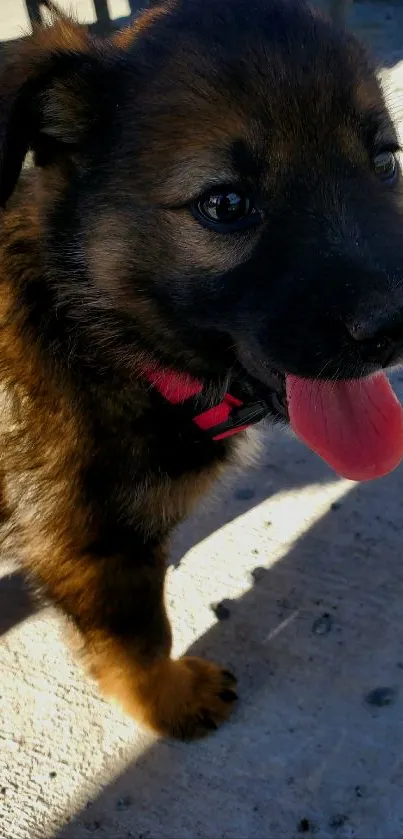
(228, 417)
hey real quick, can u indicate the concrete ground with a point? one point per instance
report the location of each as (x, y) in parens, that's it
(308, 573)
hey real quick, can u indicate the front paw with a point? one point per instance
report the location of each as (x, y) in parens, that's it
(194, 698)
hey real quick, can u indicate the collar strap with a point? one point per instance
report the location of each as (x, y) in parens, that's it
(228, 417)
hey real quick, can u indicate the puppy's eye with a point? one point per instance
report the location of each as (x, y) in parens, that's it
(385, 166)
(225, 210)
(224, 207)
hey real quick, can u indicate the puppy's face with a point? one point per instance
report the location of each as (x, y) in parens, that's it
(248, 182)
(226, 179)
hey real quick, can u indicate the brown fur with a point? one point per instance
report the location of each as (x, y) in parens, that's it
(45, 445)
(96, 470)
(43, 450)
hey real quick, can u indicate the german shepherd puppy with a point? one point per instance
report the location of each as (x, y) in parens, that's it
(212, 232)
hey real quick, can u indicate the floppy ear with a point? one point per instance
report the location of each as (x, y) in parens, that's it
(47, 100)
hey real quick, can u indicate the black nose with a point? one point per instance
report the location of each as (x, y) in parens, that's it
(375, 347)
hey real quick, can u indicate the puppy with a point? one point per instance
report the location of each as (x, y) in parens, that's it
(211, 234)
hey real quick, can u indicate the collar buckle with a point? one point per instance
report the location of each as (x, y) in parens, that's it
(239, 419)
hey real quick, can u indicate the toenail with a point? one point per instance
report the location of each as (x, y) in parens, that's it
(228, 695)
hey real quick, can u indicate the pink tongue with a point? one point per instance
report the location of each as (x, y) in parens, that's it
(356, 426)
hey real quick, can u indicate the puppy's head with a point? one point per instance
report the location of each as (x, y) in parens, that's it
(221, 182)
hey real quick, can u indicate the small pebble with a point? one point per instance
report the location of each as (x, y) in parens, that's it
(283, 603)
(52, 775)
(380, 697)
(221, 611)
(335, 506)
(358, 791)
(323, 625)
(124, 803)
(92, 826)
(244, 494)
(257, 574)
(255, 551)
(304, 826)
(338, 820)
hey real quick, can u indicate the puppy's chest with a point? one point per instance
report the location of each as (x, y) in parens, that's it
(146, 461)
(139, 433)
(143, 452)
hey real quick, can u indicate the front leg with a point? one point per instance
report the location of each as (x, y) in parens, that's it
(117, 603)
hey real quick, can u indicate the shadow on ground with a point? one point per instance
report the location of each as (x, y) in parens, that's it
(16, 602)
(317, 644)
